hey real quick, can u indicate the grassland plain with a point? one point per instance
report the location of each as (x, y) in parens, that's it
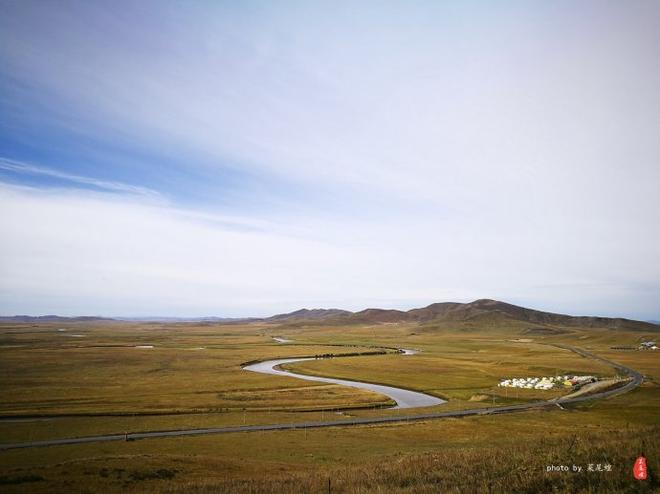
(100, 383)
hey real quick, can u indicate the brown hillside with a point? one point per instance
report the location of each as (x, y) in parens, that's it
(479, 311)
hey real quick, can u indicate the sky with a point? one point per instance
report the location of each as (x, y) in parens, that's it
(249, 158)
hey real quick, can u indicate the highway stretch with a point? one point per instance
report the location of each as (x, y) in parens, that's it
(635, 380)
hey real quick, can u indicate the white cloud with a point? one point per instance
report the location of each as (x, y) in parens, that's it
(71, 252)
(409, 101)
(84, 253)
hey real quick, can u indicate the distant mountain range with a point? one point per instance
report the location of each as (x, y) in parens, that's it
(479, 311)
(310, 314)
(187, 319)
(483, 310)
(52, 318)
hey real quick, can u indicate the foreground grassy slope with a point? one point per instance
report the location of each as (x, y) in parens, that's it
(420, 457)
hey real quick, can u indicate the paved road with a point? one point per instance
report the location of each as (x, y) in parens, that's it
(636, 380)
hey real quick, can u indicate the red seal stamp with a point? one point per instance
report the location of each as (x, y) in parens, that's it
(639, 469)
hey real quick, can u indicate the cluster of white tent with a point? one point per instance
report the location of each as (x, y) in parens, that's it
(545, 382)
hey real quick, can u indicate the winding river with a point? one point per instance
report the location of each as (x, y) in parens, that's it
(635, 380)
(404, 398)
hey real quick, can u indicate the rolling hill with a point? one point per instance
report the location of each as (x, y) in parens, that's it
(309, 314)
(482, 310)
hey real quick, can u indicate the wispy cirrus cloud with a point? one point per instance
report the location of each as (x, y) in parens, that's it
(111, 186)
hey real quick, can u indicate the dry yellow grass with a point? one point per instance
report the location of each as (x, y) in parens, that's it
(45, 372)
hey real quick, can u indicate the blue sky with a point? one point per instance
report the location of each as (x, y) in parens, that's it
(248, 158)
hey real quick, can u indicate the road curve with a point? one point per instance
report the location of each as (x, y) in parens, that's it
(635, 381)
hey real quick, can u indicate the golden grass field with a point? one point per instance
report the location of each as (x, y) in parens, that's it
(100, 383)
